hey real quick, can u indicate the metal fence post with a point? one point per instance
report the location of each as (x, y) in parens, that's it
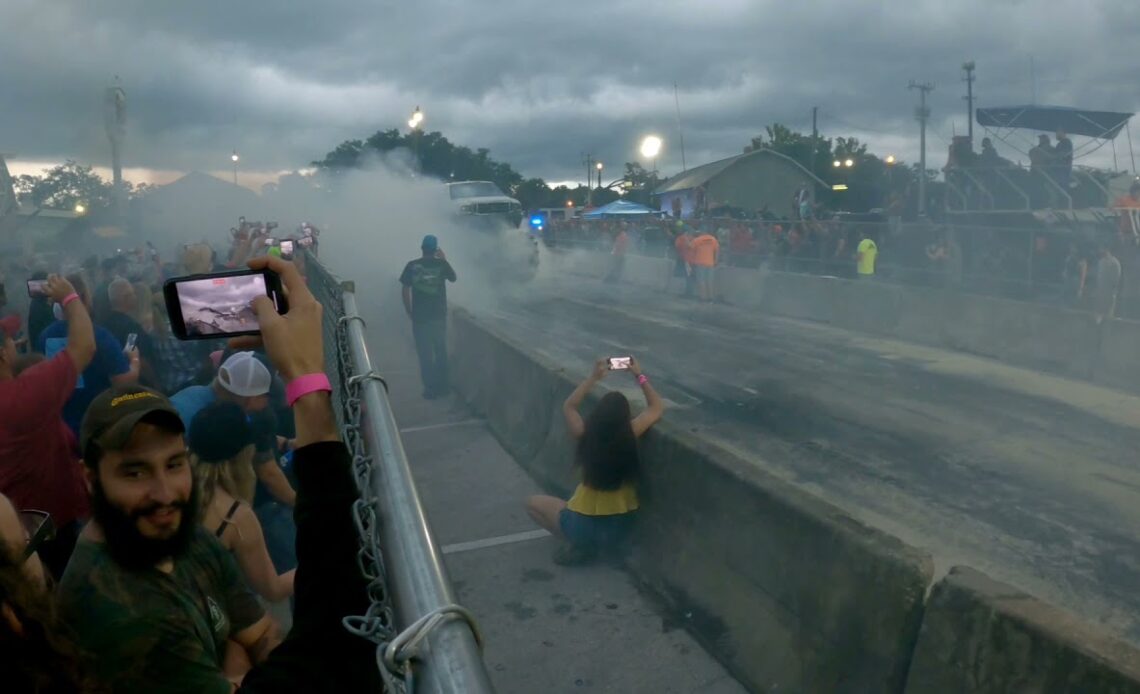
(450, 659)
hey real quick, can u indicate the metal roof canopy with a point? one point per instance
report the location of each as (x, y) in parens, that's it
(703, 174)
(1104, 125)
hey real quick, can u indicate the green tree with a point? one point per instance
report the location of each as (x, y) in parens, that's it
(639, 183)
(432, 155)
(65, 186)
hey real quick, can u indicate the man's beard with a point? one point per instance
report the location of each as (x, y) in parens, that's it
(129, 547)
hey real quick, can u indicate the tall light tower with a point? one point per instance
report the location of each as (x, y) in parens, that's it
(235, 158)
(651, 148)
(115, 123)
(969, 80)
(922, 113)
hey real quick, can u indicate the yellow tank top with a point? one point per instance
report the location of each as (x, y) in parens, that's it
(599, 502)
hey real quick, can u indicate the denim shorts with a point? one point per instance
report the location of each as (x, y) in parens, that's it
(596, 531)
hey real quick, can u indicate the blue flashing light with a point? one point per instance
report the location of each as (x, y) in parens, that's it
(536, 221)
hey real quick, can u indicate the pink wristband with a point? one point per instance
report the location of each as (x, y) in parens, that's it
(303, 385)
(642, 379)
(68, 299)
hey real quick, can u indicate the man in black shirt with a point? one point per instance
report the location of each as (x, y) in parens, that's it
(425, 299)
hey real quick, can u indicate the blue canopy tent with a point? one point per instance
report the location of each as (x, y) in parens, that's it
(619, 208)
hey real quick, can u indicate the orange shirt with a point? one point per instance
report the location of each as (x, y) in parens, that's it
(1128, 214)
(684, 247)
(704, 250)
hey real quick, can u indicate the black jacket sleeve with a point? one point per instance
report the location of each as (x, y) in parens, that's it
(319, 655)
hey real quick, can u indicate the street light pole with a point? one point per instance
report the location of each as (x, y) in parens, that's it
(923, 115)
(415, 123)
(234, 158)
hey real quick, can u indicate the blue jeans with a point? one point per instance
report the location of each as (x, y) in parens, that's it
(431, 348)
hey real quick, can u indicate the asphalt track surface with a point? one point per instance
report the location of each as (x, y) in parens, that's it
(1029, 477)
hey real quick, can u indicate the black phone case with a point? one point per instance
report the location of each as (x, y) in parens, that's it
(273, 289)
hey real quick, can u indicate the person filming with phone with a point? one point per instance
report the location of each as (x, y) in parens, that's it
(38, 467)
(425, 301)
(599, 516)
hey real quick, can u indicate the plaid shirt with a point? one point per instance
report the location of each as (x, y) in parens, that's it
(178, 362)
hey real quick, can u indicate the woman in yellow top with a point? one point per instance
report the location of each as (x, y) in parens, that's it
(600, 514)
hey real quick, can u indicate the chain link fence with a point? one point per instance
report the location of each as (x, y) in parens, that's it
(425, 642)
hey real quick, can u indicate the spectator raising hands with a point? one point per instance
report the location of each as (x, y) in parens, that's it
(600, 514)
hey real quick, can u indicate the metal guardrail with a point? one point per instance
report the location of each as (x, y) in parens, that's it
(425, 641)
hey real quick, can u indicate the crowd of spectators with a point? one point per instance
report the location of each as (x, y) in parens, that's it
(157, 496)
(1057, 266)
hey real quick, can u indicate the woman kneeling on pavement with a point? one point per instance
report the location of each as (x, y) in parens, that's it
(599, 516)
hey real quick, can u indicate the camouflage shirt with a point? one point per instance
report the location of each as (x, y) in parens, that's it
(149, 631)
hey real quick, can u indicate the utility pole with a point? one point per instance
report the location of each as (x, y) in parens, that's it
(115, 123)
(680, 131)
(589, 161)
(969, 80)
(923, 115)
(814, 136)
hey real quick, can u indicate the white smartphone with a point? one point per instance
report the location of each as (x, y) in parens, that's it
(619, 363)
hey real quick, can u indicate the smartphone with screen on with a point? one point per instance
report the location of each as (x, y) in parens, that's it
(619, 363)
(132, 338)
(286, 249)
(269, 242)
(205, 307)
(37, 288)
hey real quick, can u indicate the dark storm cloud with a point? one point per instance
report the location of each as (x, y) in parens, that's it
(537, 83)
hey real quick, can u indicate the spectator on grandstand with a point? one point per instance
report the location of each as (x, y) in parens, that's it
(1107, 284)
(600, 514)
(176, 629)
(244, 380)
(38, 466)
(989, 156)
(1063, 160)
(111, 365)
(704, 253)
(866, 253)
(222, 447)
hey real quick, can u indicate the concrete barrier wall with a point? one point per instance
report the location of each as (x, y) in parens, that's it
(1039, 336)
(788, 591)
(979, 635)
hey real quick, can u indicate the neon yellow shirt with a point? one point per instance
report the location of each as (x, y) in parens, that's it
(867, 251)
(598, 502)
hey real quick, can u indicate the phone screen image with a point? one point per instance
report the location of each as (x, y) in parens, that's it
(37, 288)
(220, 305)
(131, 339)
(286, 248)
(619, 363)
(269, 242)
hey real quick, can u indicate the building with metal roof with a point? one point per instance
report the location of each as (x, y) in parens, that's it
(751, 181)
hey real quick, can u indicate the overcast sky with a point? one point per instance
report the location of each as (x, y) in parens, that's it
(539, 83)
(232, 292)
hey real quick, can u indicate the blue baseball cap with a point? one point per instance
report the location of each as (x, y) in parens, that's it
(430, 243)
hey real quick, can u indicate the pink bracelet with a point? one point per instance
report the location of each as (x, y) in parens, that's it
(642, 379)
(303, 385)
(68, 299)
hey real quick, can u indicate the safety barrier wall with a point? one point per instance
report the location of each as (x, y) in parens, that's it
(786, 590)
(1051, 338)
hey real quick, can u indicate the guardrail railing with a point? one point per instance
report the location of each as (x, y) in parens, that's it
(425, 641)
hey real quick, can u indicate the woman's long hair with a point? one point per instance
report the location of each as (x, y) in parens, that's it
(235, 477)
(41, 655)
(607, 450)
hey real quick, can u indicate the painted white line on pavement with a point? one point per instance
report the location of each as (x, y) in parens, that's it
(493, 541)
(443, 425)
